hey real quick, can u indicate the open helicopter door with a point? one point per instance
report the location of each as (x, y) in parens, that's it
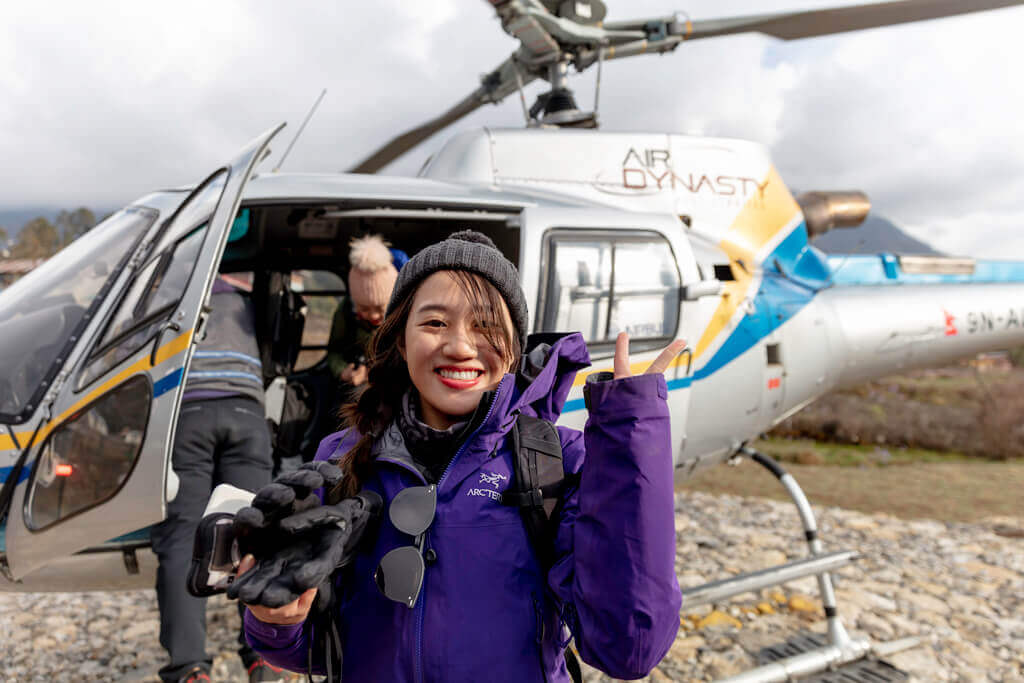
(99, 464)
(602, 272)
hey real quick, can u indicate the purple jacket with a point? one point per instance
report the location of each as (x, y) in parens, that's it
(487, 611)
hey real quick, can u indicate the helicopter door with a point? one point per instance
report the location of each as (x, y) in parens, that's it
(606, 272)
(101, 466)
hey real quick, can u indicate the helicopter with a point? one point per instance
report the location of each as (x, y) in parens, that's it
(659, 235)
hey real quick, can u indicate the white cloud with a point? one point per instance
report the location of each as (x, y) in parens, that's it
(102, 102)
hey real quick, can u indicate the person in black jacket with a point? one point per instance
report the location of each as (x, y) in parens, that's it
(221, 437)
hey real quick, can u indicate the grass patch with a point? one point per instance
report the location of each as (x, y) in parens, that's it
(956, 410)
(808, 452)
(919, 484)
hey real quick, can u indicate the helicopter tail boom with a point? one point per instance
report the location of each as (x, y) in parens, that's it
(897, 313)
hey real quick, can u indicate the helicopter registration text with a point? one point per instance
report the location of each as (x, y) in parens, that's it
(987, 321)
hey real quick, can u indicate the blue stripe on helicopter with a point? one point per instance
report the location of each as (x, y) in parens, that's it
(884, 269)
(167, 382)
(6, 472)
(793, 272)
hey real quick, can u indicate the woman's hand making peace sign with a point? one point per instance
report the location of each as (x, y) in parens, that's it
(660, 364)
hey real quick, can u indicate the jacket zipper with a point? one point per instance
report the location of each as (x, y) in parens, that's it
(421, 603)
(418, 475)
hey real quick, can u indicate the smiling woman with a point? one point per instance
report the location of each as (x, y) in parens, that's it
(456, 344)
(442, 432)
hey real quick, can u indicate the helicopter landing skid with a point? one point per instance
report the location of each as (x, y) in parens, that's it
(814, 656)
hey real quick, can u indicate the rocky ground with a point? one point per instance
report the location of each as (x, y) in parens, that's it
(959, 587)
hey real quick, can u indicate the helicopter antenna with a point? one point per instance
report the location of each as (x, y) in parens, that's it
(522, 97)
(301, 128)
(597, 85)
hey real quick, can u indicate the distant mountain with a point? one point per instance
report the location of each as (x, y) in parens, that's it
(874, 235)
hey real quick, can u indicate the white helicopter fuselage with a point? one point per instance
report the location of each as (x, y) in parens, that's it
(789, 324)
(661, 236)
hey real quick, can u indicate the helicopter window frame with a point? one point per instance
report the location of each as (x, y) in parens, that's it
(547, 308)
(30, 489)
(194, 212)
(338, 294)
(94, 367)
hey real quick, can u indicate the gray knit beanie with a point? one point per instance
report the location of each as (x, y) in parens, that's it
(474, 252)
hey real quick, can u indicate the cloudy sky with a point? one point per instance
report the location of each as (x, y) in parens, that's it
(101, 102)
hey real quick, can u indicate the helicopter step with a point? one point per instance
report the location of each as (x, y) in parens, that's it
(847, 662)
(716, 591)
(865, 670)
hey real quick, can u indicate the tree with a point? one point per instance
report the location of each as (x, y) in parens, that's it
(74, 224)
(3, 239)
(37, 239)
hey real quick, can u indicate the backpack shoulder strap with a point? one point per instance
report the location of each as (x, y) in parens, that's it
(540, 478)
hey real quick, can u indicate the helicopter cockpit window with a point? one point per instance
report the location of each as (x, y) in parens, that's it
(86, 459)
(321, 290)
(197, 211)
(41, 314)
(603, 286)
(152, 297)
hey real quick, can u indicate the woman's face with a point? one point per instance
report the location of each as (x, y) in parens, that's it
(451, 362)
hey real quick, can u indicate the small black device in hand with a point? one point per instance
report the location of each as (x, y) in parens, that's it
(215, 552)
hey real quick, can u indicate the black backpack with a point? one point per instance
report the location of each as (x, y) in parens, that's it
(540, 479)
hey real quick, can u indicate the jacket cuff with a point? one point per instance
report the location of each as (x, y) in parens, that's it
(271, 634)
(637, 390)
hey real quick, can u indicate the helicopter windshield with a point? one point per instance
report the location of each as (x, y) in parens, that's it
(41, 312)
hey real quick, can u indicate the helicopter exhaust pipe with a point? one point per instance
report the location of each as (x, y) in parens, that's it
(826, 210)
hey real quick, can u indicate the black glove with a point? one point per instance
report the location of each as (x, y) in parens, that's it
(256, 526)
(312, 544)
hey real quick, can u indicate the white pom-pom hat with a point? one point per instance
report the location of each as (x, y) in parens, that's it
(373, 275)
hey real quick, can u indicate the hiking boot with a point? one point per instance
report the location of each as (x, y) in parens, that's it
(262, 671)
(196, 675)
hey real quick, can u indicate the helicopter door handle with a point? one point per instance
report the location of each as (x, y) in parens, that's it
(167, 325)
(689, 359)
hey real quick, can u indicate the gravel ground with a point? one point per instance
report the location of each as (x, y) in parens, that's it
(959, 587)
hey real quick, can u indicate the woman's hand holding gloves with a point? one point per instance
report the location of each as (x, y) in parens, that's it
(296, 543)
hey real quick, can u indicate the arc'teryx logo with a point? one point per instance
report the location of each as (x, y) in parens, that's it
(492, 479)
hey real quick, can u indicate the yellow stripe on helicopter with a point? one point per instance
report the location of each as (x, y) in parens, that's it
(171, 348)
(758, 225)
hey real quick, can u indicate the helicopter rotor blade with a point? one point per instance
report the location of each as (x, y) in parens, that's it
(784, 25)
(494, 87)
(811, 23)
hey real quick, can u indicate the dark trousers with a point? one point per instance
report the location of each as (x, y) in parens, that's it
(217, 441)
